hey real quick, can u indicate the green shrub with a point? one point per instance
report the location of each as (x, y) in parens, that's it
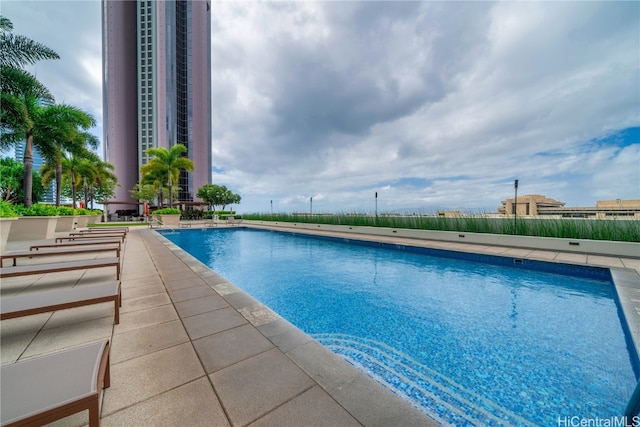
(7, 210)
(37, 210)
(167, 211)
(66, 211)
(83, 211)
(192, 215)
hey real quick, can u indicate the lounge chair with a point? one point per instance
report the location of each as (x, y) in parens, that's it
(112, 233)
(59, 251)
(44, 389)
(60, 299)
(26, 270)
(72, 243)
(231, 220)
(91, 236)
(99, 233)
(213, 222)
(105, 229)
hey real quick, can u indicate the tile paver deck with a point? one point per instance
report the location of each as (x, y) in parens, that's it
(192, 349)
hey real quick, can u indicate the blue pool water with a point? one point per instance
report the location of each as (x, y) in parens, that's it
(468, 343)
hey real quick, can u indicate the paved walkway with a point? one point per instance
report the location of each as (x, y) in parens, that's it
(192, 349)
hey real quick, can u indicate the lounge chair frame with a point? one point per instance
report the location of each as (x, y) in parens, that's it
(91, 236)
(61, 299)
(26, 270)
(60, 251)
(104, 229)
(78, 243)
(111, 233)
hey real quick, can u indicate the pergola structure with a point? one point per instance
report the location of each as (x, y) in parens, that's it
(137, 205)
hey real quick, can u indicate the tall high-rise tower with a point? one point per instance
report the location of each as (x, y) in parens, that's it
(156, 86)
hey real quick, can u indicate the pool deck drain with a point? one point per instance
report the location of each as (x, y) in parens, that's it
(193, 349)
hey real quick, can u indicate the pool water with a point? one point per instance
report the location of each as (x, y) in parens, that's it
(468, 343)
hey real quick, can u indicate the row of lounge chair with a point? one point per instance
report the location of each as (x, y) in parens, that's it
(44, 389)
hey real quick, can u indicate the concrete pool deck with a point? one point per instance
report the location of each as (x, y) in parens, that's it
(192, 349)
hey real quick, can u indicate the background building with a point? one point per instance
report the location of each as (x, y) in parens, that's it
(538, 205)
(156, 87)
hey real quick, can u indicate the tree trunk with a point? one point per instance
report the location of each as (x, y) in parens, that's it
(170, 191)
(73, 192)
(58, 182)
(28, 170)
(86, 195)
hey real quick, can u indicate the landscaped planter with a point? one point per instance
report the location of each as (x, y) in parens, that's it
(66, 223)
(33, 228)
(94, 218)
(5, 228)
(171, 220)
(604, 247)
(83, 220)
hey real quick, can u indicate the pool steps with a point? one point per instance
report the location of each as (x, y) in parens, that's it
(418, 381)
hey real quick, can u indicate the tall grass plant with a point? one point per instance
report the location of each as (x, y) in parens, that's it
(623, 230)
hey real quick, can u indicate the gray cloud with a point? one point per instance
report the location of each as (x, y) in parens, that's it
(428, 103)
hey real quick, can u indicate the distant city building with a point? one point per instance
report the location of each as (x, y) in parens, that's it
(449, 214)
(156, 87)
(538, 205)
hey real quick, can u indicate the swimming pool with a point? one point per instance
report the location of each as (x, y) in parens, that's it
(467, 342)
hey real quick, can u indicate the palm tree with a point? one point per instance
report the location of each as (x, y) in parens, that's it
(15, 86)
(88, 169)
(19, 94)
(70, 174)
(17, 51)
(76, 167)
(157, 179)
(104, 181)
(168, 162)
(19, 120)
(84, 170)
(63, 128)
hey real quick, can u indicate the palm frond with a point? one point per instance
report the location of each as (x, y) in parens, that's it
(17, 50)
(17, 82)
(5, 24)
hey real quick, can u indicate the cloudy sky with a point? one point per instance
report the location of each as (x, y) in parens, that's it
(433, 105)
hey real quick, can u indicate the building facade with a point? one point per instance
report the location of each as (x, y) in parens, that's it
(538, 205)
(156, 87)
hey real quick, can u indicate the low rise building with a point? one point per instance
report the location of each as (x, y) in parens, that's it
(538, 205)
